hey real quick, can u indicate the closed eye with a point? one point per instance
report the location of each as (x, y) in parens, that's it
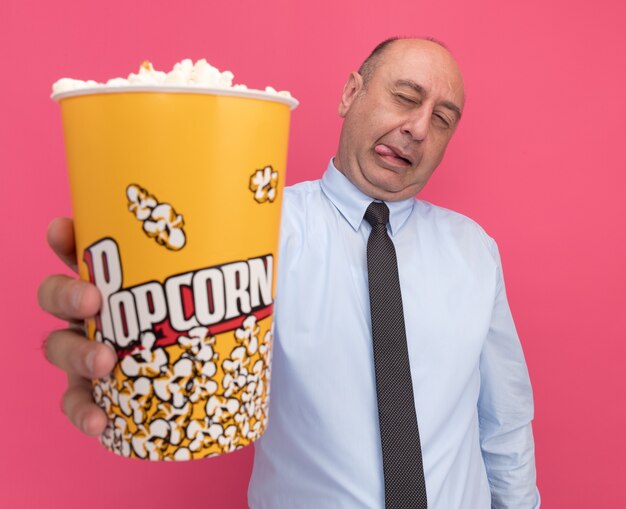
(406, 99)
(442, 121)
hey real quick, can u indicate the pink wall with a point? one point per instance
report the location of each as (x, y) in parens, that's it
(538, 161)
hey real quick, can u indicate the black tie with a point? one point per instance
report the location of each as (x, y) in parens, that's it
(402, 456)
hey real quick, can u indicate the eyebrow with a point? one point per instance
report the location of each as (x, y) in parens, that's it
(421, 90)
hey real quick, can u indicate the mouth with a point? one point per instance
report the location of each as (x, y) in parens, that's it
(393, 156)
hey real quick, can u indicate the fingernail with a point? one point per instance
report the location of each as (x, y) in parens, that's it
(90, 359)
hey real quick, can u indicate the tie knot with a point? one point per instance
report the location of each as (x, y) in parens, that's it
(377, 213)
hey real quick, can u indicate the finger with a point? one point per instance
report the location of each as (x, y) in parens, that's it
(62, 241)
(68, 298)
(76, 355)
(79, 407)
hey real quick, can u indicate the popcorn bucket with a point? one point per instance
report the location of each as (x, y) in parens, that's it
(177, 197)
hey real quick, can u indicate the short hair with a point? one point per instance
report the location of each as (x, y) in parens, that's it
(369, 64)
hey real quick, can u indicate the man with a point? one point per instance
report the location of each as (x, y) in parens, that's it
(471, 392)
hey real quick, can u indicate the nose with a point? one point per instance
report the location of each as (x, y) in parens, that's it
(417, 124)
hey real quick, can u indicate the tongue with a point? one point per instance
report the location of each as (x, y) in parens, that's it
(384, 150)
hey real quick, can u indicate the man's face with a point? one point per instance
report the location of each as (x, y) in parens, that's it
(396, 128)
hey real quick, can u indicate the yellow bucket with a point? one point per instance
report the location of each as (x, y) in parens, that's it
(177, 198)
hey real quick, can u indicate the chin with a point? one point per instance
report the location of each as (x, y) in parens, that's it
(386, 184)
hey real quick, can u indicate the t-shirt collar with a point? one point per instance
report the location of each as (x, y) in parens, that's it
(352, 203)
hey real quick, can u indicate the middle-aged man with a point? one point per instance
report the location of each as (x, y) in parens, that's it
(439, 419)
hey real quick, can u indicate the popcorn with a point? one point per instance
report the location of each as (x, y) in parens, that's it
(140, 202)
(228, 441)
(255, 431)
(145, 361)
(154, 414)
(160, 221)
(183, 383)
(202, 436)
(198, 343)
(147, 75)
(105, 393)
(184, 74)
(220, 408)
(265, 347)
(248, 335)
(203, 72)
(117, 82)
(152, 441)
(165, 226)
(182, 454)
(113, 437)
(134, 398)
(263, 184)
(253, 393)
(235, 371)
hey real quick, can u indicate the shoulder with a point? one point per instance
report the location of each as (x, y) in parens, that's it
(454, 226)
(300, 201)
(301, 190)
(301, 197)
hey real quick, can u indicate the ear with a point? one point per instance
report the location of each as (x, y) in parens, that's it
(351, 90)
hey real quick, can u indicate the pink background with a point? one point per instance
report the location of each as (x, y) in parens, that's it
(538, 161)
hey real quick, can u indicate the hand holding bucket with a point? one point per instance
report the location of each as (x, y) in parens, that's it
(177, 195)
